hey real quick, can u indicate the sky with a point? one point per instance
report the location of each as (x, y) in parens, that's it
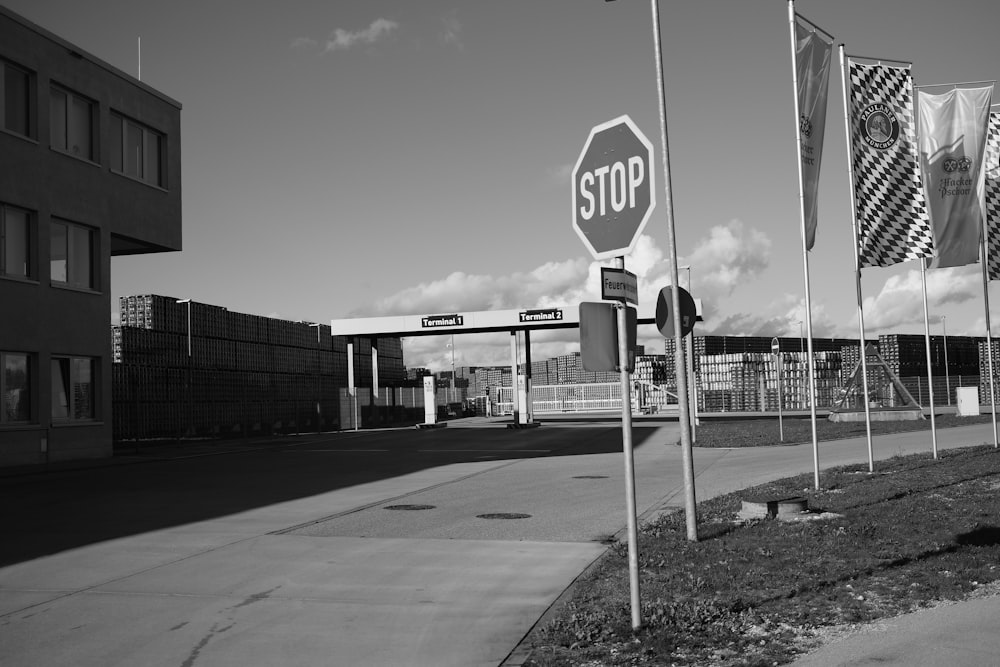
(348, 158)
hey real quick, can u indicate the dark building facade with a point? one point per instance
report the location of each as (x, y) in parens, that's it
(91, 168)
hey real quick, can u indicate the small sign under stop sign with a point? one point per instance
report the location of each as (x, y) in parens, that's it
(665, 316)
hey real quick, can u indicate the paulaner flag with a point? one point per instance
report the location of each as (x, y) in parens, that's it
(953, 129)
(893, 225)
(993, 198)
(813, 52)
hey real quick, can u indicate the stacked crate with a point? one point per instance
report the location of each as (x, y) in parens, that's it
(196, 369)
(986, 352)
(751, 382)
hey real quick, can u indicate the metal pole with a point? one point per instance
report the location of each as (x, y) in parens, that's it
(857, 264)
(989, 340)
(693, 386)
(930, 375)
(687, 458)
(781, 423)
(633, 538)
(805, 255)
(947, 372)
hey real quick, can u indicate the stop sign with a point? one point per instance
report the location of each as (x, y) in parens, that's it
(613, 190)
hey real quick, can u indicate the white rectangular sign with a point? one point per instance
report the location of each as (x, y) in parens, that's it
(619, 285)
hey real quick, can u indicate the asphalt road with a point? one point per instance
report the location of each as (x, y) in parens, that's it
(408, 547)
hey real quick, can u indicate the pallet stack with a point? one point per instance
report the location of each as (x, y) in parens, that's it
(749, 381)
(183, 369)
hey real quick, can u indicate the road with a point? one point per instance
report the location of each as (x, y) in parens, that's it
(406, 547)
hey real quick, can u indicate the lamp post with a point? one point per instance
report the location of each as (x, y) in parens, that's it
(801, 352)
(190, 402)
(692, 388)
(319, 377)
(947, 376)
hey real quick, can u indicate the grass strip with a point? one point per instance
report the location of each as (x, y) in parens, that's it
(764, 591)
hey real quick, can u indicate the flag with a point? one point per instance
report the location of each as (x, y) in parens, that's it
(953, 129)
(993, 198)
(891, 213)
(813, 53)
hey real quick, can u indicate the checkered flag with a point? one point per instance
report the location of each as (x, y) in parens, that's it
(993, 198)
(893, 224)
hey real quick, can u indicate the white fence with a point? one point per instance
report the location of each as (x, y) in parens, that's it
(590, 397)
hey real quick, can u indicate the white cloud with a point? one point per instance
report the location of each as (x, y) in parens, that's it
(732, 255)
(452, 31)
(343, 39)
(900, 300)
(728, 257)
(304, 43)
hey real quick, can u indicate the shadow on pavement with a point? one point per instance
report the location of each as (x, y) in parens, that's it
(48, 511)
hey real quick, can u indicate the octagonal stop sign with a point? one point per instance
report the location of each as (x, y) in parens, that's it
(613, 188)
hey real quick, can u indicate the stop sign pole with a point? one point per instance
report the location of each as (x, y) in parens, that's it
(613, 197)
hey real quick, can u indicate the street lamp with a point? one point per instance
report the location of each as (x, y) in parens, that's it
(947, 376)
(189, 397)
(319, 377)
(692, 387)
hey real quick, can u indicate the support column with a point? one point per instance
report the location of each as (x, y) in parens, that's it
(529, 408)
(513, 375)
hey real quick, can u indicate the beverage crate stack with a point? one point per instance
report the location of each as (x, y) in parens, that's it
(749, 381)
(985, 352)
(244, 372)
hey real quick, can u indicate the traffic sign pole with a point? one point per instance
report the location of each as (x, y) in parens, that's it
(633, 531)
(776, 351)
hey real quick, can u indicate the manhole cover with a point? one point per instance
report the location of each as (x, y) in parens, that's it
(409, 507)
(590, 477)
(503, 515)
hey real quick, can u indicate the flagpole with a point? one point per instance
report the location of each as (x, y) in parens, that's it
(989, 341)
(805, 250)
(927, 340)
(857, 261)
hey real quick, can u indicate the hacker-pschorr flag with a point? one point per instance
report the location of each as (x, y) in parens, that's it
(953, 129)
(993, 198)
(813, 53)
(893, 225)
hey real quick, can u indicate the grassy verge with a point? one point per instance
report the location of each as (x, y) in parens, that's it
(764, 591)
(757, 432)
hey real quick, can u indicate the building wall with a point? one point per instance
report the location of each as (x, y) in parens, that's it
(47, 318)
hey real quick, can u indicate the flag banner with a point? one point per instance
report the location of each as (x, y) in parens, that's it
(813, 53)
(953, 129)
(992, 170)
(893, 225)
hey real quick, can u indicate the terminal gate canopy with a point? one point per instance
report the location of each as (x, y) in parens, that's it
(433, 324)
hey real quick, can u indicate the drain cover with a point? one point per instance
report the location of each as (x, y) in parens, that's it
(590, 477)
(409, 507)
(503, 515)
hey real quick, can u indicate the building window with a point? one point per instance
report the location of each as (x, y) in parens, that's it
(15, 87)
(72, 119)
(15, 388)
(136, 150)
(71, 261)
(15, 243)
(73, 388)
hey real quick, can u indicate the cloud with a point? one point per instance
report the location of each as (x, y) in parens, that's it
(729, 256)
(304, 44)
(560, 174)
(343, 39)
(900, 300)
(452, 31)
